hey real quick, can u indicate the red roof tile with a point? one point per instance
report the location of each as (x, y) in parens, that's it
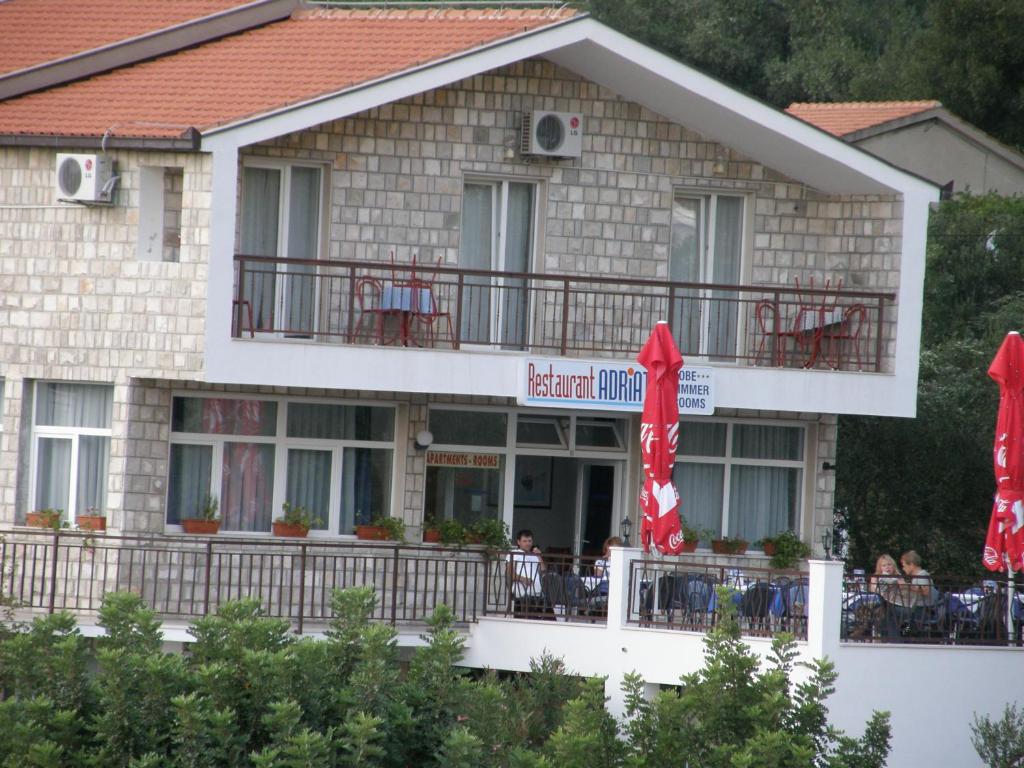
(841, 118)
(313, 53)
(34, 32)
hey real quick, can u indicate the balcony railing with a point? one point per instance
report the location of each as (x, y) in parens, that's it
(356, 302)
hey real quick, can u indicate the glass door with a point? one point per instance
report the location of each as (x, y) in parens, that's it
(596, 482)
(497, 235)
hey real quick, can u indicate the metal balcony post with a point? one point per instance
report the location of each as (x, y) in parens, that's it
(53, 570)
(878, 334)
(565, 316)
(458, 311)
(302, 587)
(206, 579)
(394, 588)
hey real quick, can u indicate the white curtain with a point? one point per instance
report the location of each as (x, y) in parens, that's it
(189, 483)
(261, 194)
(764, 500)
(309, 482)
(303, 235)
(53, 473)
(700, 489)
(93, 461)
(512, 321)
(723, 310)
(247, 486)
(685, 267)
(476, 248)
(73, 405)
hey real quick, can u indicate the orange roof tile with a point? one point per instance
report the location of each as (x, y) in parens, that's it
(315, 52)
(841, 118)
(34, 32)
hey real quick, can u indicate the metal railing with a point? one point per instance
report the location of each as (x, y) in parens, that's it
(357, 302)
(565, 588)
(188, 577)
(931, 611)
(680, 595)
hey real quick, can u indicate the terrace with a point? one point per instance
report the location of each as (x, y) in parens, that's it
(405, 304)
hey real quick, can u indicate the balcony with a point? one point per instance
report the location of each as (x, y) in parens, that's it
(405, 304)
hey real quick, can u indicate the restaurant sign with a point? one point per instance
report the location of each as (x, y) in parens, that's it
(467, 460)
(608, 386)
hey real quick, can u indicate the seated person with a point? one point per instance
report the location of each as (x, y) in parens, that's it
(886, 580)
(602, 566)
(524, 569)
(914, 595)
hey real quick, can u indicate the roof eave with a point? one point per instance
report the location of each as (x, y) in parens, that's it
(189, 141)
(142, 47)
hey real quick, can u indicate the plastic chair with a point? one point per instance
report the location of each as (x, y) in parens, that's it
(368, 293)
(672, 595)
(431, 314)
(756, 605)
(847, 333)
(766, 314)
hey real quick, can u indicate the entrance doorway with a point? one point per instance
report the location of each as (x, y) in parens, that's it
(568, 503)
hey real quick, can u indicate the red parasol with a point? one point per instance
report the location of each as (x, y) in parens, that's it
(1004, 544)
(659, 435)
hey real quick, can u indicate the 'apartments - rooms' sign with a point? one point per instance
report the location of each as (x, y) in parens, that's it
(608, 386)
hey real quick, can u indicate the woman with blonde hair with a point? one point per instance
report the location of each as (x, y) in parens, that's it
(886, 580)
(602, 566)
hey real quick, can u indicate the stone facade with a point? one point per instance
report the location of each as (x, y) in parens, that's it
(79, 305)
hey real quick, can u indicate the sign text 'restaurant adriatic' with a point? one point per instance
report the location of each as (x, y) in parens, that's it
(608, 386)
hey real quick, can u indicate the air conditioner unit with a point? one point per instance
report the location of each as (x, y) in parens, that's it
(85, 178)
(552, 134)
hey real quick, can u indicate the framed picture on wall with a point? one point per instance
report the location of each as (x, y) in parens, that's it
(533, 481)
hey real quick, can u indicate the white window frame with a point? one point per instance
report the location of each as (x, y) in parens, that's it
(728, 461)
(73, 434)
(283, 213)
(282, 443)
(708, 207)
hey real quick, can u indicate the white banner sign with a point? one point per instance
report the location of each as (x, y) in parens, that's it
(608, 386)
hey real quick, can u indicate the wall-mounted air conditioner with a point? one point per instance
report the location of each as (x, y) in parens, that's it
(85, 178)
(552, 134)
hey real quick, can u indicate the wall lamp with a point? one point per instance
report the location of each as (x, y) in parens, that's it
(424, 438)
(626, 526)
(828, 466)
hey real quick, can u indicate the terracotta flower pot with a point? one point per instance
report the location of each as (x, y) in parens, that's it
(728, 547)
(290, 529)
(372, 532)
(769, 548)
(431, 536)
(195, 525)
(91, 522)
(689, 546)
(40, 520)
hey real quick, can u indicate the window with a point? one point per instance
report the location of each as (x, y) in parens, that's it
(333, 459)
(71, 446)
(741, 478)
(707, 247)
(281, 216)
(498, 233)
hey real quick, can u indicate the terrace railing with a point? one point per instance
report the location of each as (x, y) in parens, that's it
(680, 595)
(358, 302)
(189, 577)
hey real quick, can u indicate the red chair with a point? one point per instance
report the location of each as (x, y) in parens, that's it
(767, 315)
(426, 311)
(838, 336)
(240, 306)
(371, 312)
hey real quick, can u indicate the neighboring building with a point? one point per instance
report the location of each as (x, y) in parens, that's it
(924, 138)
(380, 261)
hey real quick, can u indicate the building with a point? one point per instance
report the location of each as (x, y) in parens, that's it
(315, 266)
(925, 138)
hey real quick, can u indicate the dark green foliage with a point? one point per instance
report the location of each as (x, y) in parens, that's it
(927, 483)
(250, 695)
(1000, 743)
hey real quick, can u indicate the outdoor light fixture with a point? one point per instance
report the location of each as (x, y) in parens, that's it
(826, 542)
(625, 526)
(828, 466)
(424, 438)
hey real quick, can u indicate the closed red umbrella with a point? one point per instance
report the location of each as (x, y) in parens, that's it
(659, 437)
(1004, 544)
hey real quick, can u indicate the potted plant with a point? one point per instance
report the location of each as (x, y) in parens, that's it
(691, 536)
(296, 521)
(490, 532)
(382, 528)
(785, 549)
(206, 520)
(729, 546)
(431, 530)
(44, 518)
(92, 520)
(453, 533)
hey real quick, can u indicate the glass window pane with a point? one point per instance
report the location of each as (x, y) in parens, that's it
(93, 459)
(600, 433)
(73, 405)
(701, 490)
(466, 495)
(309, 483)
(754, 441)
(189, 481)
(469, 427)
(224, 416)
(341, 422)
(247, 487)
(763, 501)
(541, 430)
(53, 473)
(365, 486)
(701, 438)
